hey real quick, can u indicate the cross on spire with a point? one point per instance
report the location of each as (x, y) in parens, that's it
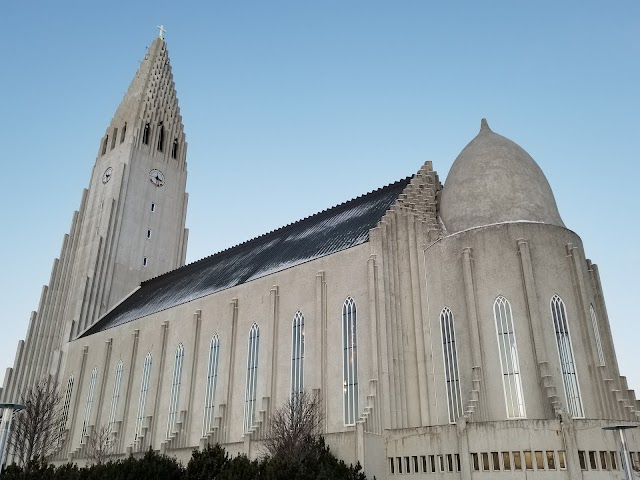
(162, 30)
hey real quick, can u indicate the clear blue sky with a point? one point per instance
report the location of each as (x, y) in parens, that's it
(291, 107)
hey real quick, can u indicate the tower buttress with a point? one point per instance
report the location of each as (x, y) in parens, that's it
(130, 226)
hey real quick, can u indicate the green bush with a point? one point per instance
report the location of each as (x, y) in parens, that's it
(212, 463)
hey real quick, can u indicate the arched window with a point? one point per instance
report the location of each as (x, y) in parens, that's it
(115, 396)
(509, 361)
(450, 355)
(174, 149)
(174, 397)
(124, 132)
(145, 134)
(67, 402)
(212, 380)
(87, 410)
(297, 354)
(252, 378)
(350, 362)
(567, 362)
(144, 388)
(161, 138)
(596, 334)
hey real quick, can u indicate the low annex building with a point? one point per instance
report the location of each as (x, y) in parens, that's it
(454, 331)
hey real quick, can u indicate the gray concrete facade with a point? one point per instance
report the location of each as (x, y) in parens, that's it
(483, 343)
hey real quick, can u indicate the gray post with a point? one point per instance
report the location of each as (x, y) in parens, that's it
(624, 453)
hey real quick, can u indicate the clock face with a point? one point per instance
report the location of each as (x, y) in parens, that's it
(156, 177)
(107, 175)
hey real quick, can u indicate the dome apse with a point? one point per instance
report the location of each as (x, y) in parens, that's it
(493, 180)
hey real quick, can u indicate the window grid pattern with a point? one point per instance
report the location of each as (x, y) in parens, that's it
(252, 378)
(350, 361)
(567, 362)
(144, 388)
(174, 397)
(212, 379)
(451, 374)
(596, 334)
(117, 381)
(67, 402)
(90, 392)
(509, 361)
(297, 354)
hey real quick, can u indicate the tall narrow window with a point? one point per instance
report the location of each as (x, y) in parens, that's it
(144, 388)
(174, 149)
(252, 378)
(212, 380)
(567, 363)
(161, 138)
(350, 361)
(450, 354)
(115, 396)
(508, 349)
(87, 410)
(174, 397)
(67, 402)
(596, 334)
(297, 354)
(104, 144)
(124, 132)
(114, 138)
(145, 134)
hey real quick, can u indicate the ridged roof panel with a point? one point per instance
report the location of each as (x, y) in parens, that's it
(324, 233)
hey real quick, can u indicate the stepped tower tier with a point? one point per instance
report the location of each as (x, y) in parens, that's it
(130, 226)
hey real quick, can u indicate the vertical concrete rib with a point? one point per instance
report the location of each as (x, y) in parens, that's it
(100, 394)
(538, 340)
(272, 376)
(122, 431)
(583, 320)
(414, 263)
(474, 328)
(164, 329)
(197, 323)
(398, 324)
(409, 347)
(233, 306)
(396, 418)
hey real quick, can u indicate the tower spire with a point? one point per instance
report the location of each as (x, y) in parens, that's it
(151, 100)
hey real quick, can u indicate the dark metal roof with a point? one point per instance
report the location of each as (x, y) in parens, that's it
(324, 233)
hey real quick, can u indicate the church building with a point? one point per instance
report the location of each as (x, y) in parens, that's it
(452, 331)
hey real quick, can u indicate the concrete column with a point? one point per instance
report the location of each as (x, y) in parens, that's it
(127, 393)
(196, 326)
(320, 332)
(537, 338)
(418, 330)
(474, 329)
(100, 394)
(583, 320)
(164, 330)
(76, 398)
(272, 352)
(233, 341)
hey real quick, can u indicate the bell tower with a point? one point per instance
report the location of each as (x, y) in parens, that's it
(130, 226)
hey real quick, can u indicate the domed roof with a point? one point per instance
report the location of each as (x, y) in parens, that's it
(494, 180)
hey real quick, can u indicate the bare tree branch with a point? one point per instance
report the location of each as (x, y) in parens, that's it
(294, 427)
(37, 431)
(100, 445)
